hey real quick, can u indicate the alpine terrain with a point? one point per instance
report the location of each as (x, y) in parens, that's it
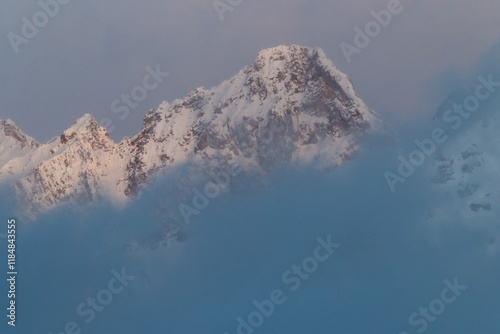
(292, 107)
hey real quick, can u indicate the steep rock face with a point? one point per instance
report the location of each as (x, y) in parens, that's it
(291, 107)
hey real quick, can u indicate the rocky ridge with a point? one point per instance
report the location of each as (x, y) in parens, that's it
(291, 107)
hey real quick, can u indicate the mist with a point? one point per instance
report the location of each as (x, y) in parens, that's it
(389, 263)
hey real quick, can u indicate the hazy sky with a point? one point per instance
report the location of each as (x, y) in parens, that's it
(91, 52)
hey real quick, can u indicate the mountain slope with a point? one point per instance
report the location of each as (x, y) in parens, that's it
(13, 144)
(292, 107)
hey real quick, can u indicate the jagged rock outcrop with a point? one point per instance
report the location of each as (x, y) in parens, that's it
(291, 107)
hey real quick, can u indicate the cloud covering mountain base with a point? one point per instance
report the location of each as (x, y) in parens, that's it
(389, 264)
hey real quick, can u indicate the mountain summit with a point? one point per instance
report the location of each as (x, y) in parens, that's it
(291, 107)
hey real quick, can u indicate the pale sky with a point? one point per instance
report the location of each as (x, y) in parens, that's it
(91, 52)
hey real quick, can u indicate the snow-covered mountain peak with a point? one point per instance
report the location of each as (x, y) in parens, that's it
(9, 129)
(282, 54)
(7, 121)
(14, 143)
(291, 108)
(85, 120)
(308, 72)
(294, 62)
(285, 63)
(86, 129)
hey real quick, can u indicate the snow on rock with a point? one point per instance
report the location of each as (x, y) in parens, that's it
(13, 143)
(291, 107)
